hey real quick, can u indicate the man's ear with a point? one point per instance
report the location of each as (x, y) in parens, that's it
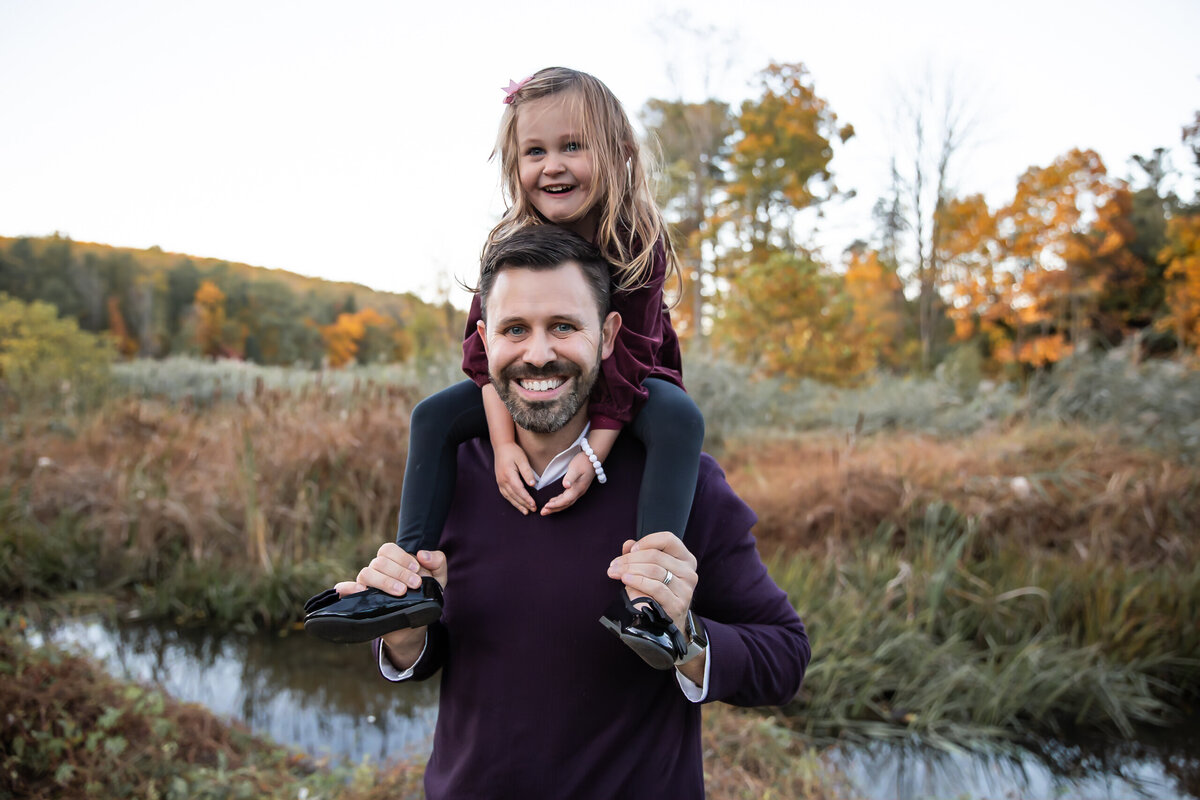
(612, 324)
(482, 330)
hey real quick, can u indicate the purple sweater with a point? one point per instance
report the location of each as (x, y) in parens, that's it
(646, 347)
(537, 699)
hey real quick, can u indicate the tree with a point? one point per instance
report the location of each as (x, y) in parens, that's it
(789, 316)
(210, 319)
(694, 141)
(780, 158)
(46, 360)
(934, 127)
(1182, 257)
(876, 327)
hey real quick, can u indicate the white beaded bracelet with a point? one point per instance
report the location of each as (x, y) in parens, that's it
(587, 449)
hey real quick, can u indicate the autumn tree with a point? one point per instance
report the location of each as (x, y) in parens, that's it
(210, 318)
(1182, 257)
(876, 326)
(694, 139)
(780, 158)
(1067, 236)
(791, 316)
(344, 335)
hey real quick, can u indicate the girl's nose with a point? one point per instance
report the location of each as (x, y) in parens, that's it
(553, 165)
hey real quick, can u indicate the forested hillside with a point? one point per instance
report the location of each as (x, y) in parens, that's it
(156, 304)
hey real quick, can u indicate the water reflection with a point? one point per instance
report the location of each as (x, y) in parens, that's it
(1156, 768)
(324, 699)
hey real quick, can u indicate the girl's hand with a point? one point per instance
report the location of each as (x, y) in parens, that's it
(513, 473)
(580, 475)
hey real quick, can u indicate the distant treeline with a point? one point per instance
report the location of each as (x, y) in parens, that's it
(157, 304)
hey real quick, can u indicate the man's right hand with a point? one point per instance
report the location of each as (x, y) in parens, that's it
(395, 571)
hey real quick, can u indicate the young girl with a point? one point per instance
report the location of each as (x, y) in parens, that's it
(569, 157)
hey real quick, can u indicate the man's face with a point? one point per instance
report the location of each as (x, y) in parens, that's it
(544, 340)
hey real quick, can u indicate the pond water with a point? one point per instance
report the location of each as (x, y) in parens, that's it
(327, 700)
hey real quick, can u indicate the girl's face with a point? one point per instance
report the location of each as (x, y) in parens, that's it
(553, 164)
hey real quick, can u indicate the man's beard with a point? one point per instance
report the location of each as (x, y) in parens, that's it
(551, 415)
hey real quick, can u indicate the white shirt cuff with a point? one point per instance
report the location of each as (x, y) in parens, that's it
(690, 690)
(389, 671)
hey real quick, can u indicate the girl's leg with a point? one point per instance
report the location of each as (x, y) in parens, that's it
(439, 424)
(672, 429)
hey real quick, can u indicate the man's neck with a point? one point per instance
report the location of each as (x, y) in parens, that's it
(541, 448)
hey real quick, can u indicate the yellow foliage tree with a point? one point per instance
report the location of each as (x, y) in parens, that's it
(788, 315)
(876, 324)
(1182, 257)
(210, 318)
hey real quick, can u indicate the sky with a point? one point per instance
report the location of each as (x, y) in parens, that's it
(350, 140)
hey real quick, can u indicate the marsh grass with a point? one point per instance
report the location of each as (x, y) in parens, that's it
(958, 640)
(242, 509)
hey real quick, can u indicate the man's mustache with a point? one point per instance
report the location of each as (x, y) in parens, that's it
(551, 369)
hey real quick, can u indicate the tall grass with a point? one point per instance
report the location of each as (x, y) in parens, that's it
(234, 513)
(957, 639)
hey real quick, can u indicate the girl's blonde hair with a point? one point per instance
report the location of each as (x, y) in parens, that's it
(630, 225)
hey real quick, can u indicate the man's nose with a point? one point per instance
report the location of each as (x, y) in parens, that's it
(539, 349)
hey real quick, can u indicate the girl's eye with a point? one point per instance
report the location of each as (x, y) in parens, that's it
(535, 151)
(573, 146)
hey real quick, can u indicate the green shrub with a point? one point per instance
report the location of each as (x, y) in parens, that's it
(46, 362)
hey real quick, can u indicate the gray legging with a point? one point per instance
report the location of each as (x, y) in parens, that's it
(669, 425)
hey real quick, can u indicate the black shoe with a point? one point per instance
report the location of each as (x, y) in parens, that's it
(363, 616)
(642, 624)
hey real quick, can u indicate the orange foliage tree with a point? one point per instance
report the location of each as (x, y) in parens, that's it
(344, 335)
(126, 344)
(1051, 269)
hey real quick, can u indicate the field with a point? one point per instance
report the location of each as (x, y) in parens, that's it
(975, 563)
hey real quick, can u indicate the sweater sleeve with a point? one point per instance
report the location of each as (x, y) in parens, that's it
(474, 357)
(617, 398)
(760, 647)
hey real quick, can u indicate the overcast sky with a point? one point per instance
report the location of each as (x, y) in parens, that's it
(350, 140)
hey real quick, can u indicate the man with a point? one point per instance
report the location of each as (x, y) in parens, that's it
(537, 700)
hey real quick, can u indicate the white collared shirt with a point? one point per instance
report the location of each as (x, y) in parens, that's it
(556, 470)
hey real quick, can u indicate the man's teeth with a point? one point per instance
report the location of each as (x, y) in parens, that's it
(541, 386)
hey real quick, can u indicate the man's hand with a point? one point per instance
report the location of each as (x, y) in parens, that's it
(580, 474)
(513, 473)
(395, 572)
(642, 567)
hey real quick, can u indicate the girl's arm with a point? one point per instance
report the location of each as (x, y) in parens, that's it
(580, 472)
(512, 465)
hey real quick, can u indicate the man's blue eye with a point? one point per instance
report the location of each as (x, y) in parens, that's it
(564, 327)
(515, 330)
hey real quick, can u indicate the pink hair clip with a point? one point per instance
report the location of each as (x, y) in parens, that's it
(510, 91)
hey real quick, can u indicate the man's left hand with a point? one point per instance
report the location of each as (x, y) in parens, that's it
(643, 565)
